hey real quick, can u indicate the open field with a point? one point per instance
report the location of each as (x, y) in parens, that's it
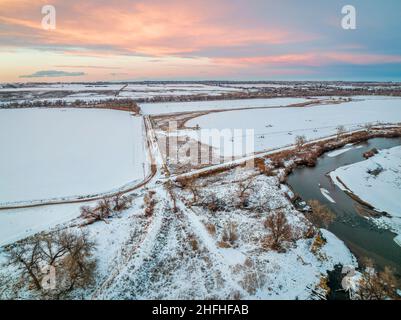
(177, 107)
(274, 128)
(63, 153)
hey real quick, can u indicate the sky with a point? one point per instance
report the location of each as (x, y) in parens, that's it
(105, 40)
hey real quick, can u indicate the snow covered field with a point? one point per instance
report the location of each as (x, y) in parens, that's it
(180, 250)
(134, 87)
(70, 92)
(278, 127)
(54, 153)
(377, 181)
(18, 224)
(173, 107)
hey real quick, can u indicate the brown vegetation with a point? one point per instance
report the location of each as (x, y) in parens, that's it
(150, 203)
(105, 208)
(377, 285)
(320, 215)
(230, 234)
(70, 254)
(120, 202)
(211, 228)
(188, 183)
(244, 188)
(300, 142)
(280, 232)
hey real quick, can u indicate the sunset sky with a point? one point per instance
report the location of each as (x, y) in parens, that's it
(196, 40)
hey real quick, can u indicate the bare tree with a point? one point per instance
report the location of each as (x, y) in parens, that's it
(26, 256)
(211, 202)
(77, 266)
(243, 192)
(104, 209)
(188, 183)
(300, 142)
(375, 285)
(280, 231)
(320, 215)
(368, 127)
(68, 252)
(121, 202)
(101, 212)
(340, 131)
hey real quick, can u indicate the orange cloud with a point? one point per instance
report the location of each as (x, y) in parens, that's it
(143, 28)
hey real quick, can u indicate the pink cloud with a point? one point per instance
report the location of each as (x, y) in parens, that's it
(158, 28)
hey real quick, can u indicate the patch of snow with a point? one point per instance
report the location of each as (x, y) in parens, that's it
(326, 194)
(338, 152)
(19, 224)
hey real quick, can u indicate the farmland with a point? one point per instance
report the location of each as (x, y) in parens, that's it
(185, 231)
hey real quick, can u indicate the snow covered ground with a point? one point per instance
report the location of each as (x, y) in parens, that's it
(134, 87)
(70, 92)
(378, 182)
(278, 127)
(55, 153)
(173, 107)
(171, 254)
(18, 224)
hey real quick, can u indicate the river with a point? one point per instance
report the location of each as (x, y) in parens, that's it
(361, 235)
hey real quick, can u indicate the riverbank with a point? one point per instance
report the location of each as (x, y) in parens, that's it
(355, 223)
(377, 183)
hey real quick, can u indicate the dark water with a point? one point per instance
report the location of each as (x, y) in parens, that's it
(362, 237)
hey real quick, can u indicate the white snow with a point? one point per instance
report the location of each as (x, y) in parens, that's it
(338, 152)
(99, 92)
(278, 127)
(19, 224)
(382, 191)
(173, 107)
(55, 153)
(326, 194)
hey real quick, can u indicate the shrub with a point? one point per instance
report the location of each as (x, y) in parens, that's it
(193, 243)
(121, 202)
(318, 243)
(101, 212)
(244, 187)
(377, 285)
(150, 203)
(280, 231)
(103, 209)
(300, 142)
(212, 203)
(230, 235)
(211, 228)
(188, 183)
